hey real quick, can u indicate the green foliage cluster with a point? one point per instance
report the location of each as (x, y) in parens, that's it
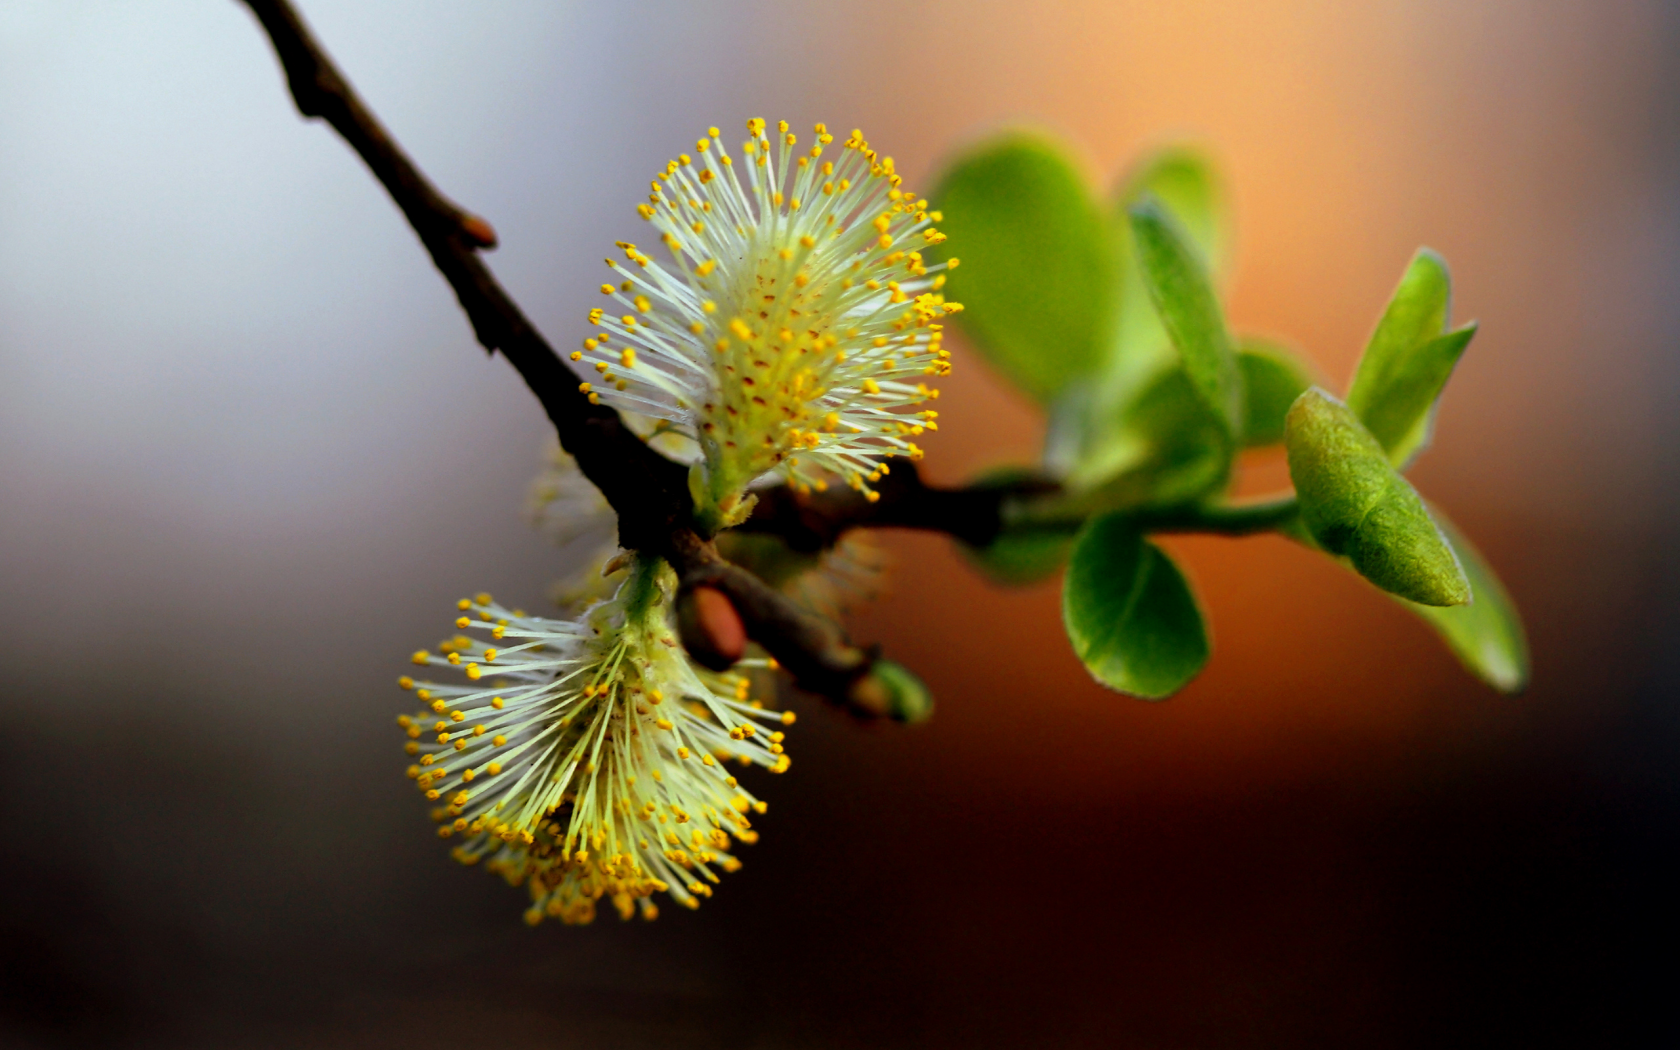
(1107, 313)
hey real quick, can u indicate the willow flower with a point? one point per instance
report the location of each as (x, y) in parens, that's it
(585, 759)
(797, 324)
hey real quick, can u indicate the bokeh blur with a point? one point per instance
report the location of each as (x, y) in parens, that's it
(250, 455)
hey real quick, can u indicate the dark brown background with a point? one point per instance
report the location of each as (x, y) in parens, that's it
(249, 455)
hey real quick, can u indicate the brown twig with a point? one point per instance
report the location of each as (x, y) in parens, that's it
(814, 522)
(649, 492)
(812, 648)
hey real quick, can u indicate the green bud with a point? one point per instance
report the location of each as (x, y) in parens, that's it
(890, 691)
(1358, 506)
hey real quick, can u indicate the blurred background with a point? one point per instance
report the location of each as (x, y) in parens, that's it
(250, 455)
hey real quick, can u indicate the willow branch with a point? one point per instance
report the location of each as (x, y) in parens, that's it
(649, 492)
(814, 522)
(1228, 519)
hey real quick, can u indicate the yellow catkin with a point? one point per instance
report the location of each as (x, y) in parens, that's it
(791, 301)
(577, 831)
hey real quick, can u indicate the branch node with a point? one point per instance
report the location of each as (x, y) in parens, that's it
(479, 234)
(710, 627)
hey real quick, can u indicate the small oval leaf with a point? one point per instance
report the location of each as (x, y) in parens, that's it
(1409, 359)
(1401, 415)
(1416, 313)
(1357, 505)
(1183, 295)
(1487, 635)
(1130, 613)
(1038, 274)
(1094, 436)
(1185, 182)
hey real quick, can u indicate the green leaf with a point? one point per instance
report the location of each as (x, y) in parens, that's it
(1038, 274)
(1184, 182)
(1129, 612)
(1097, 429)
(1416, 312)
(1183, 295)
(1175, 451)
(1409, 359)
(1356, 504)
(1019, 556)
(1487, 636)
(1402, 416)
(1273, 377)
